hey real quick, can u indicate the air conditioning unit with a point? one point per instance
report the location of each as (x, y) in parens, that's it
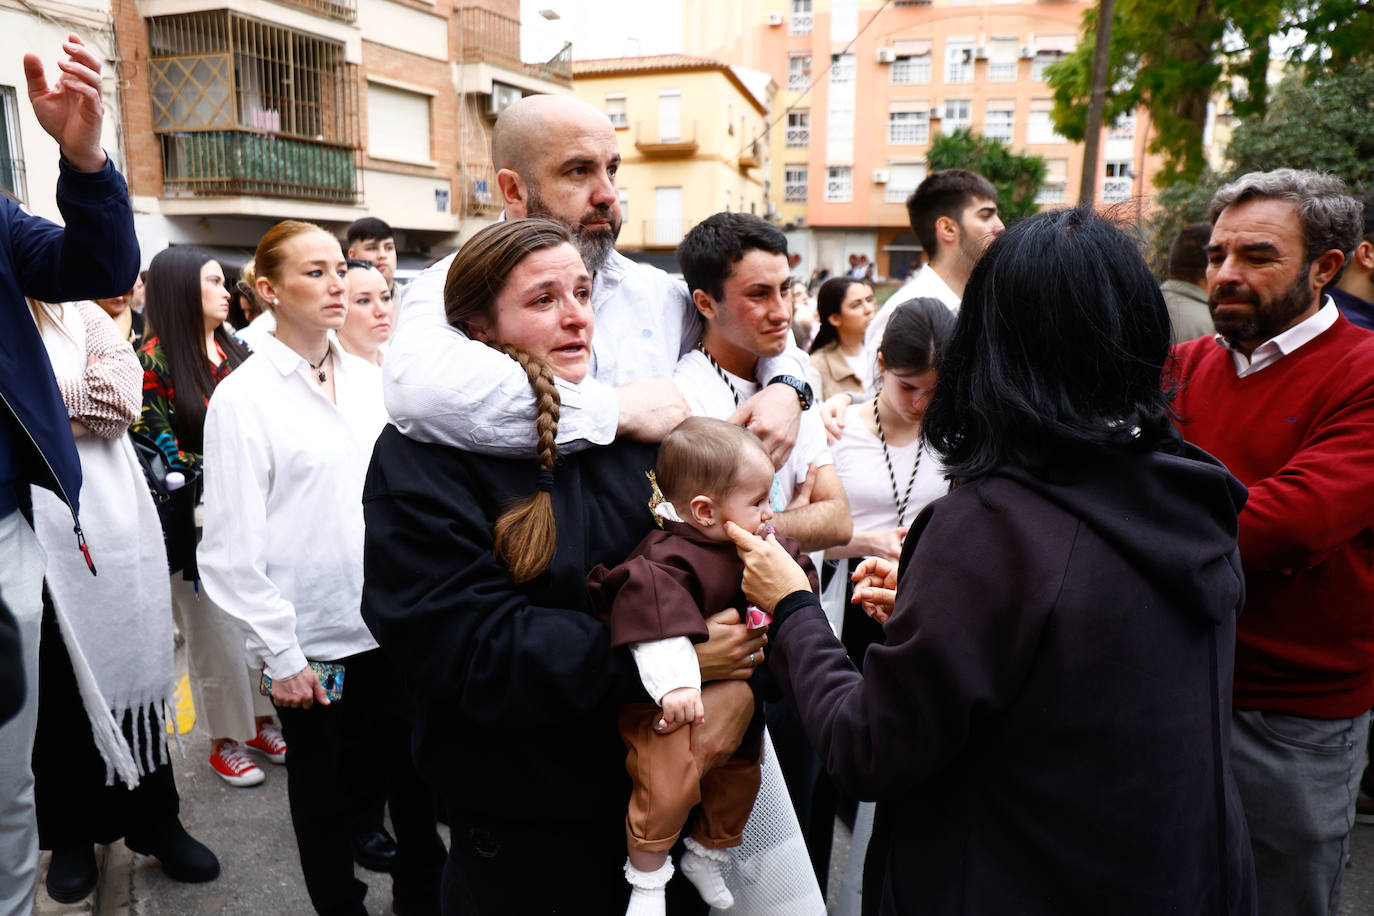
(880, 176)
(1026, 52)
(501, 98)
(774, 19)
(886, 55)
(980, 52)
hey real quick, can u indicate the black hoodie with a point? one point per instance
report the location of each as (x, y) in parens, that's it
(1046, 729)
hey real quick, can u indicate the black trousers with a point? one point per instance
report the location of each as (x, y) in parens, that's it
(319, 776)
(74, 806)
(549, 868)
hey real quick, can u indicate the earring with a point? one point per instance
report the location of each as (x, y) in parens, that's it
(274, 302)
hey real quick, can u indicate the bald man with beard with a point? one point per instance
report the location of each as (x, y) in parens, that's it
(557, 157)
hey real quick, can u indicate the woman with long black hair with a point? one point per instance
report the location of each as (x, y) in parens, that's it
(1046, 728)
(189, 350)
(845, 307)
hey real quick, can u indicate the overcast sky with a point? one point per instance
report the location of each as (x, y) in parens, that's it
(602, 28)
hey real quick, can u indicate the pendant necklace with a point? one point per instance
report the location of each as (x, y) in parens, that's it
(899, 503)
(318, 368)
(721, 372)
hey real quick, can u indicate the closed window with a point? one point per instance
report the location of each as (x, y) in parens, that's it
(1040, 129)
(957, 115)
(798, 72)
(794, 184)
(799, 127)
(905, 127)
(842, 68)
(616, 111)
(903, 178)
(397, 124)
(911, 71)
(12, 178)
(998, 122)
(839, 184)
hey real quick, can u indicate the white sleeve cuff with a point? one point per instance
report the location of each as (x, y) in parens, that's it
(666, 664)
(285, 664)
(595, 416)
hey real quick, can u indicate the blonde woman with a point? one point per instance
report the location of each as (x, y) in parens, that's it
(287, 442)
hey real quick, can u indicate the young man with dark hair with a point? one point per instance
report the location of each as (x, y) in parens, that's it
(1185, 292)
(370, 239)
(954, 215)
(1354, 291)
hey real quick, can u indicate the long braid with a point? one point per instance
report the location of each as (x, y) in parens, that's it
(526, 535)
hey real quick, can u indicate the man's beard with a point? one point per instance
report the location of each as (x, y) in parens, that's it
(594, 245)
(1269, 319)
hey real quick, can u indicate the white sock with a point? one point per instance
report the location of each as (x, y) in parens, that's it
(705, 868)
(647, 897)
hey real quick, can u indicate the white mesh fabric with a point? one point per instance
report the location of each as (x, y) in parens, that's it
(771, 873)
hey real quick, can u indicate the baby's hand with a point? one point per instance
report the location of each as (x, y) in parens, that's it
(682, 706)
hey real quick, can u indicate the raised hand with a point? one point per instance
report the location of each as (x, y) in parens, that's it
(71, 110)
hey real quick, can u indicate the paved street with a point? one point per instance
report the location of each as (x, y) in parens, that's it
(250, 831)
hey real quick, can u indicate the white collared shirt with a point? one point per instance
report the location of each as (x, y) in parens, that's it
(442, 387)
(708, 395)
(1275, 348)
(284, 466)
(927, 284)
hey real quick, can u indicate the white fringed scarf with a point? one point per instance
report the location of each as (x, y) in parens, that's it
(117, 626)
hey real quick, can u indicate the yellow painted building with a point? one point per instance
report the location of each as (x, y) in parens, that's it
(693, 141)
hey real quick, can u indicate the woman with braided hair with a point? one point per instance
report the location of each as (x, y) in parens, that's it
(287, 439)
(474, 579)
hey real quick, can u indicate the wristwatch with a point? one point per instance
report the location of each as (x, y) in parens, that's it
(802, 389)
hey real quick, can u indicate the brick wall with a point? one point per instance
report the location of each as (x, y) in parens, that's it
(144, 167)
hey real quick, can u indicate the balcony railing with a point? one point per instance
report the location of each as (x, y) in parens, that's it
(214, 163)
(341, 10)
(488, 36)
(481, 196)
(1115, 190)
(800, 24)
(798, 135)
(12, 178)
(794, 193)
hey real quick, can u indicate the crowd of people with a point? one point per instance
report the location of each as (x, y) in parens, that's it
(1053, 580)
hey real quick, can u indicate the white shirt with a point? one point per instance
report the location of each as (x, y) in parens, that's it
(283, 544)
(927, 284)
(708, 395)
(257, 330)
(442, 387)
(1275, 348)
(861, 468)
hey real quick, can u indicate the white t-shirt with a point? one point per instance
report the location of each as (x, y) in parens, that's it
(927, 284)
(859, 462)
(708, 395)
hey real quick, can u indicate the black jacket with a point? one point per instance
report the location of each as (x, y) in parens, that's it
(1046, 729)
(516, 687)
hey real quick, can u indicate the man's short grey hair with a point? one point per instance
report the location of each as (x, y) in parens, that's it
(1331, 217)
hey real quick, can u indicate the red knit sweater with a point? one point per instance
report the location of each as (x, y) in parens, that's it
(1300, 435)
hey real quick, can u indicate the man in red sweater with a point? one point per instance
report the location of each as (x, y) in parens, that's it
(1284, 395)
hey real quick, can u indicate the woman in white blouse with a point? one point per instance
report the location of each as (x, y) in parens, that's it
(288, 438)
(888, 474)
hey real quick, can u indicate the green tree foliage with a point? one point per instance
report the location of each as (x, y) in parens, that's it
(1170, 56)
(1017, 177)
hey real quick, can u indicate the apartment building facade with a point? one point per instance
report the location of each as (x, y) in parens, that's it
(865, 88)
(241, 113)
(693, 141)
